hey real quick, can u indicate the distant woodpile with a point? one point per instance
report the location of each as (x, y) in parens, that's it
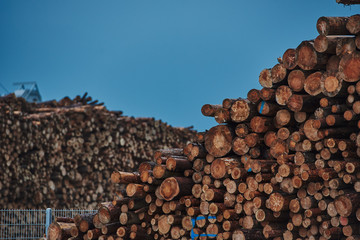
(61, 154)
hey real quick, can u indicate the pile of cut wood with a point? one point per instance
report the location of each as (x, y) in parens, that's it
(281, 164)
(61, 154)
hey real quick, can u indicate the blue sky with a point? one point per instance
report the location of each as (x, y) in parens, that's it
(161, 59)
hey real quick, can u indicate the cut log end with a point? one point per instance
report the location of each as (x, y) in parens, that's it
(169, 189)
(349, 67)
(218, 140)
(276, 201)
(306, 56)
(289, 59)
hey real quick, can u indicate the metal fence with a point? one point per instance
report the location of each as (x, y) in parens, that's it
(30, 223)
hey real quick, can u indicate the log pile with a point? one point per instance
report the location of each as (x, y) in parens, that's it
(58, 154)
(282, 163)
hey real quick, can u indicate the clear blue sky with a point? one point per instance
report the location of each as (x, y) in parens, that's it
(161, 59)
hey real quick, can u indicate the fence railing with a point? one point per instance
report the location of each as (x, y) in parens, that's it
(31, 223)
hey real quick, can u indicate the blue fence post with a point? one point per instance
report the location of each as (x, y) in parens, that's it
(48, 220)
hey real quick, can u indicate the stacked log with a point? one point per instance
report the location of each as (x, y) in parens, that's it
(155, 200)
(285, 163)
(58, 154)
(282, 163)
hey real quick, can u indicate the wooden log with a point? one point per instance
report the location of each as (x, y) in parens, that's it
(269, 137)
(186, 223)
(283, 93)
(222, 166)
(64, 219)
(178, 164)
(136, 204)
(135, 190)
(197, 151)
(265, 78)
(332, 26)
(163, 224)
(282, 117)
(312, 84)
(349, 67)
(160, 172)
(59, 230)
(218, 140)
(96, 221)
(241, 110)
(175, 186)
(227, 102)
(353, 25)
(279, 148)
(239, 146)
(326, 44)
(237, 173)
(289, 59)
(209, 110)
(264, 215)
(84, 221)
(146, 166)
(252, 139)
(267, 94)
(108, 213)
(241, 130)
(308, 58)
(345, 46)
(272, 231)
(296, 80)
(350, 115)
(222, 115)
(260, 124)
(330, 85)
(212, 230)
(125, 177)
(345, 204)
(215, 208)
(321, 113)
(110, 228)
(278, 202)
(94, 233)
(168, 152)
(253, 96)
(351, 89)
(301, 103)
(145, 175)
(278, 73)
(335, 120)
(196, 190)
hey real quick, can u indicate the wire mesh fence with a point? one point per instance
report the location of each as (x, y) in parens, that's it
(31, 223)
(22, 224)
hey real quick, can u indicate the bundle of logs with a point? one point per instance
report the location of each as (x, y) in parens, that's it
(281, 164)
(59, 154)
